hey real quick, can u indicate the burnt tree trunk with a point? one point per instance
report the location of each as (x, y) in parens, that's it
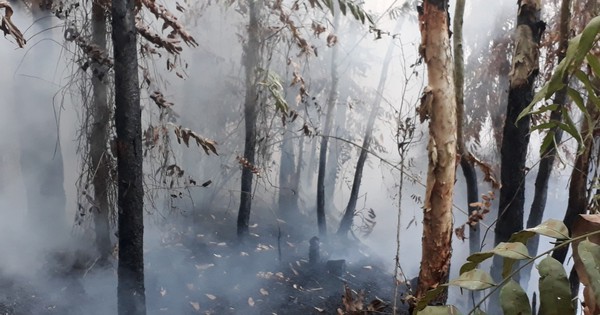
(548, 156)
(331, 103)
(100, 166)
(348, 218)
(515, 139)
(439, 104)
(251, 54)
(128, 121)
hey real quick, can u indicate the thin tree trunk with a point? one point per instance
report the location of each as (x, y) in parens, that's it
(467, 166)
(128, 121)
(348, 218)
(515, 139)
(331, 103)
(100, 166)
(439, 104)
(548, 156)
(251, 52)
(578, 188)
(287, 172)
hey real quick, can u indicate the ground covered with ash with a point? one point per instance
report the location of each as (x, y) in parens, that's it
(190, 272)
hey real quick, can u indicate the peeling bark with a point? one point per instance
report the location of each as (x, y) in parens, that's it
(439, 104)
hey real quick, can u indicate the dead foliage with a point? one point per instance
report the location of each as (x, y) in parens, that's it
(246, 164)
(586, 223)
(169, 20)
(483, 208)
(92, 51)
(184, 134)
(353, 303)
(488, 173)
(8, 27)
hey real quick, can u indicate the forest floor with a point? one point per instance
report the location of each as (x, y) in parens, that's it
(208, 273)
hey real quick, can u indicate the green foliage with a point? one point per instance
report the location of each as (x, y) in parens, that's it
(570, 67)
(590, 258)
(514, 300)
(273, 84)
(345, 6)
(555, 293)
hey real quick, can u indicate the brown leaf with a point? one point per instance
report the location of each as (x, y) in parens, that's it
(7, 26)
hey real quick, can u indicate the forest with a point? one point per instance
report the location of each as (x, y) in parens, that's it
(339, 157)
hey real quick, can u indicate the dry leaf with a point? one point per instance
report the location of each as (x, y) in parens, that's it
(163, 292)
(251, 301)
(195, 305)
(264, 292)
(320, 310)
(211, 297)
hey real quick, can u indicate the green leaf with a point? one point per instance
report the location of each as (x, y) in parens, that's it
(547, 142)
(578, 49)
(545, 108)
(589, 253)
(429, 296)
(514, 300)
(474, 280)
(589, 86)
(522, 236)
(546, 125)
(513, 250)
(342, 4)
(474, 260)
(552, 228)
(439, 310)
(555, 293)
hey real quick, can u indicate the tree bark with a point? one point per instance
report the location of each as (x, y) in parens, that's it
(466, 165)
(515, 139)
(348, 218)
(100, 166)
(542, 179)
(251, 53)
(439, 104)
(131, 292)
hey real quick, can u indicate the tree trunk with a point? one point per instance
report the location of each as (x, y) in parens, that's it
(288, 205)
(100, 166)
(348, 218)
(578, 188)
(439, 104)
(250, 115)
(131, 292)
(548, 156)
(331, 103)
(466, 165)
(38, 128)
(515, 139)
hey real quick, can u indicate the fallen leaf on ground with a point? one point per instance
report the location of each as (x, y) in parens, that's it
(264, 292)
(195, 305)
(210, 296)
(251, 301)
